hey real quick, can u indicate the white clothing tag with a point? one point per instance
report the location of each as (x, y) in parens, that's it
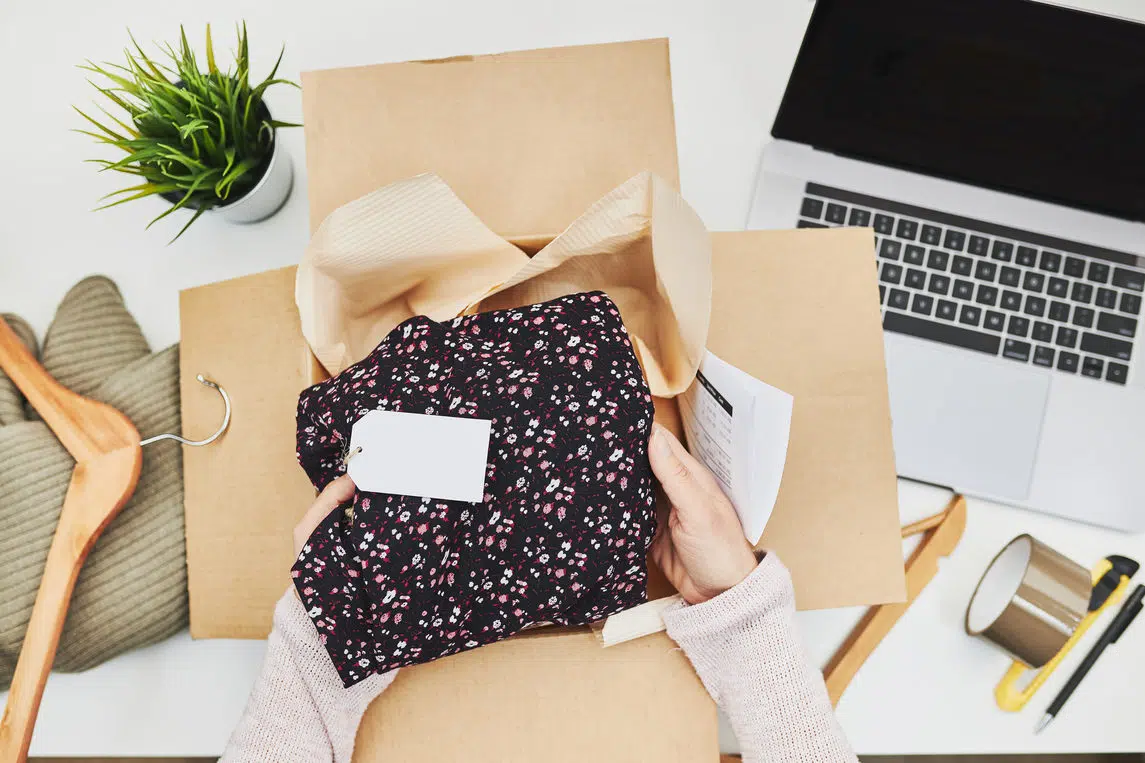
(415, 454)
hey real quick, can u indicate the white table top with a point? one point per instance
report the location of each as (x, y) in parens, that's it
(928, 687)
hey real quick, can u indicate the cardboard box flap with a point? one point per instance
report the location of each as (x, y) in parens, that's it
(528, 140)
(800, 310)
(244, 493)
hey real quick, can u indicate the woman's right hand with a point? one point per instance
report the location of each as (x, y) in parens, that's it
(699, 545)
(335, 494)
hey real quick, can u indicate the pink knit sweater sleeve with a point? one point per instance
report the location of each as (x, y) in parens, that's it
(744, 645)
(298, 709)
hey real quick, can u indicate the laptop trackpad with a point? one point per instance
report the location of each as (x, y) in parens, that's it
(971, 423)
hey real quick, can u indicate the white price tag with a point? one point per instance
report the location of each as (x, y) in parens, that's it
(414, 454)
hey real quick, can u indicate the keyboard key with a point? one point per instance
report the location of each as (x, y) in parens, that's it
(1015, 350)
(1107, 346)
(1033, 282)
(1044, 356)
(1106, 298)
(1051, 262)
(890, 249)
(931, 235)
(961, 265)
(1129, 279)
(1059, 311)
(970, 315)
(1027, 256)
(1130, 303)
(994, 321)
(1043, 332)
(1009, 276)
(1067, 337)
(978, 245)
(1003, 250)
(836, 213)
(891, 273)
(1082, 292)
(985, 271)
(1074, 267)
(955, 239)
(1011, 300)
(915, 254)
(1035, 306)
(882, 294)
(1019, 326)
(884, 224)
(915, 279)
(939, 284)
(1099, 272)
(963, 289)
(899, 299)
(1117, 373)
(1082, 316)
(987, 295)
(809, 224)
(1092, 367)
(946, 333)
(946, 310)
(937, 259)
(1067, 361)
(922, 304)
(812, 208)
(1113, 323)
(1058, 287)
(907, 229)
(860, 218)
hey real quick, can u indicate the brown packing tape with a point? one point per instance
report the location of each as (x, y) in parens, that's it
(1029, 601)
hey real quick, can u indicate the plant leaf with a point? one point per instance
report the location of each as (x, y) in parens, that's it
(151, 191)
(183, 230)
(211, 67)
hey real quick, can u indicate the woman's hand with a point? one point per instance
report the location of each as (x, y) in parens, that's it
(700, 547)
(336, 493)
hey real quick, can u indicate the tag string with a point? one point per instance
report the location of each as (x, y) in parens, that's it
(346, 458)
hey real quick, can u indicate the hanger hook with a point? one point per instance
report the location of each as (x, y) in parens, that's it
(198, 443)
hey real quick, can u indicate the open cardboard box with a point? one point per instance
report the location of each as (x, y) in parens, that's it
(528, 140)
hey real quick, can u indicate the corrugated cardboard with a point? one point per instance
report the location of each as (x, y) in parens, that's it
(797, 308)
(527, 139)
(800, 310)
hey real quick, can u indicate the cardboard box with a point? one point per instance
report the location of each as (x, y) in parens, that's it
(528, 140)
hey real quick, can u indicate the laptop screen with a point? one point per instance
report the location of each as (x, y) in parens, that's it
(1015, 95)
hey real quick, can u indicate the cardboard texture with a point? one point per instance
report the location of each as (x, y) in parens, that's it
(800, 311)
(560, 699)
(413, 248)
(527, 139)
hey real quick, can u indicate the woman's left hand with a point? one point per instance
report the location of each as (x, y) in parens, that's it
(336, 493)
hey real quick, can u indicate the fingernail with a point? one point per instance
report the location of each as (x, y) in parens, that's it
(660, 439)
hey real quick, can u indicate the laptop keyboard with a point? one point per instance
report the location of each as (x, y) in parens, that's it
(1023, 296)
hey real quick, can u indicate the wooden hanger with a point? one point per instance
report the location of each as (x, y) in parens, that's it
(943, 530)
(108, 457)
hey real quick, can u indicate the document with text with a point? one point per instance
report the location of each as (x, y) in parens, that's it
(739, 427)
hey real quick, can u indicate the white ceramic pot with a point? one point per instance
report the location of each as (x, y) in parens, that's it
(268, 194)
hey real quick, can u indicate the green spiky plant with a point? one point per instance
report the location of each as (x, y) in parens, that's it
(199, 138)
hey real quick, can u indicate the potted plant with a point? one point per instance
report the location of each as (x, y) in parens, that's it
(203, 140)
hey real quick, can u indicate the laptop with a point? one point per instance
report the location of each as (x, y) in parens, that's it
(997, 149)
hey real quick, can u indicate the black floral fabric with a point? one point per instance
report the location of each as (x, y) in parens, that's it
(567, 515)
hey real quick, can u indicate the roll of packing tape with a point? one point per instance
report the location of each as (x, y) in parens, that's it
(1029, 601)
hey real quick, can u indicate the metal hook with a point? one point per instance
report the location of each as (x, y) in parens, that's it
(198, 443)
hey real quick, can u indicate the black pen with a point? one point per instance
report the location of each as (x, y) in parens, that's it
(1129, 610)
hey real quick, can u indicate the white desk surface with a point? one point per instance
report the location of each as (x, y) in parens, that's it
(928, 687)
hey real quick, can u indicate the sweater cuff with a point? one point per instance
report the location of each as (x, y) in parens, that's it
(706, 631)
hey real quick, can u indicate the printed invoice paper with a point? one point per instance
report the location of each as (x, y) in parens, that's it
(739, 427)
